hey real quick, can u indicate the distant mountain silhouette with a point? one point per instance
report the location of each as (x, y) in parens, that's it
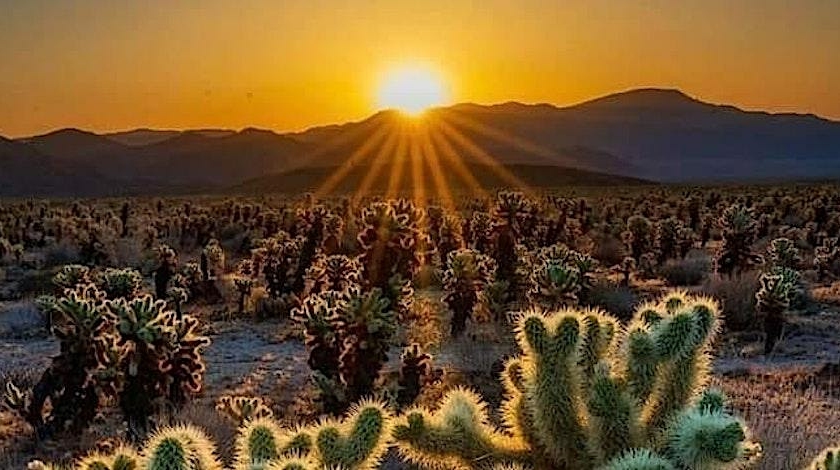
(25, 171)
(141, 137)
(653, 134)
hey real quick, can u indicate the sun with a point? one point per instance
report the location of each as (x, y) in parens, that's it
(412, 90)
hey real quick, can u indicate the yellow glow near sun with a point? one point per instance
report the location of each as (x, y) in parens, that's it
(412, 90)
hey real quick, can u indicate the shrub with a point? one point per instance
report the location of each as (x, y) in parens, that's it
(686, 272)
(585, 394)
(737, 297)
(617, 300)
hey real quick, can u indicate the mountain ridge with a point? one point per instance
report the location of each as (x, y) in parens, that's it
(655, 134)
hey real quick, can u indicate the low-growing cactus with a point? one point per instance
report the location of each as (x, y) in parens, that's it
(182, 447)
(586, 393)
(243, 409)
(357, 442)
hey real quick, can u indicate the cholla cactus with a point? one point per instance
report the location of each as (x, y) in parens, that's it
(669, 233)
(738, 227)
(829, 459)
(586, 393)
(827, 257)
(72, 275)
(356, 443)
(215, 256)
(277, 259)
(167, 266)
(513, 215)
(467, 273)
(243, 409)
(393, 248)
(560, 277)
(160, 357)
(121, 283)
(480, 232)
(415, 370)
(122, 458)
(72, 384)
(334, 272)
(243, 281)
(182, 447)
(348, 334)
(773, 300)
(782, 253)
(639, 236)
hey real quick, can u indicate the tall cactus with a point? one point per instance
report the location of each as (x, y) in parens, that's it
(586, 394)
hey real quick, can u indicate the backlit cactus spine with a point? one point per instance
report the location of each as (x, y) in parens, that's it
(357, 442)
(587, 394)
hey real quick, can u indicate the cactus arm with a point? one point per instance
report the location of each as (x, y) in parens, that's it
(458, 435)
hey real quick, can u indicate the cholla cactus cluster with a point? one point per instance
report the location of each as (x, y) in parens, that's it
(561, 277)
(114, 344)
(586, 393)
(357, 442)
(348, 334)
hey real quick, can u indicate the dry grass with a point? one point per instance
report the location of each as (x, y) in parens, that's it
(793, 417)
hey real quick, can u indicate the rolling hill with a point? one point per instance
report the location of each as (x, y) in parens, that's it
(652, 134)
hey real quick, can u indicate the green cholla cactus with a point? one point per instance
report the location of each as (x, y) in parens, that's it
(160, 356)
(467, 274)
(261, 441)
(72, 275)
(73, 382)
(182, 447)
(122, 458)
(393, 248)
(560, 277)
(348, 335)
(782, 253)
(121, 283)
(586, 393)
(829, 459)
(356, 443)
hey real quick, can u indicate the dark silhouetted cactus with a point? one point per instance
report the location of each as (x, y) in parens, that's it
(467, 273)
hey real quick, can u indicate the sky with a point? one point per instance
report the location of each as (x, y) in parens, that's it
(287, 65)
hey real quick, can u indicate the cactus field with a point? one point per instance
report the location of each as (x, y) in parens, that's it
(630, 328)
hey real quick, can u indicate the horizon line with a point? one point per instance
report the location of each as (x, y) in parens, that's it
(303, 130)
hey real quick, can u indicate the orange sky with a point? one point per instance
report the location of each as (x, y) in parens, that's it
(110, 65)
